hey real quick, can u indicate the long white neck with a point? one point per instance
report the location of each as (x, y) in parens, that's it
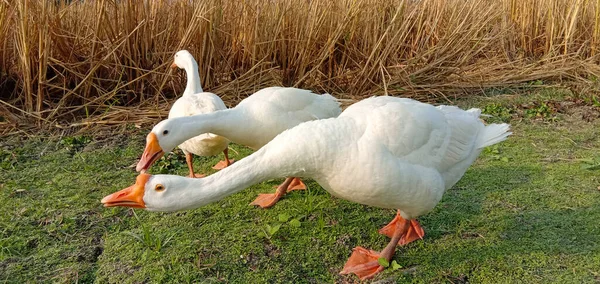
(238, 176)
(228, 123)
(193, 85)
(291, 154)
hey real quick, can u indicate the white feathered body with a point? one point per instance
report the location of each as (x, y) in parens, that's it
(387, 152)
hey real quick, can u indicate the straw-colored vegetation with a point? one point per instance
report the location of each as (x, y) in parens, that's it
(64, 64)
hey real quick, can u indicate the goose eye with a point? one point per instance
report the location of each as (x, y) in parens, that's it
(159, 187)
(165, 132)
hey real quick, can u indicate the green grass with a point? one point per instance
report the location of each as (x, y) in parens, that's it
(526, 211)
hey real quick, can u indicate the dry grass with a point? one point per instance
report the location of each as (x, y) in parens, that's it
(106, 62)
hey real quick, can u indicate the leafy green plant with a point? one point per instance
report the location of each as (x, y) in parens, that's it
(169, 163)
(498, 112)
(590, 100)
(536, 83)
(540, 110)
(385, 263)
(295, 223)
(268, 231)
(75, 143)
(592, 78)
(283, 217)
(594, 101)
(496, 154)
(591, 164)
(11, 157)
(8, 160)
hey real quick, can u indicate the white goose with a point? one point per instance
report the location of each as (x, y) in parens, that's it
(254, 122)
(385, 152)
(195, 101)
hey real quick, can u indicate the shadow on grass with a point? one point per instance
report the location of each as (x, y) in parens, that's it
(463, 203)
(478, 231)
(545, 243)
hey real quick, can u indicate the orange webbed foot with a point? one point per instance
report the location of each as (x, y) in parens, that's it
(363, 263)
(296, 184)
(415, 231)
(266, 200)
(223, 164)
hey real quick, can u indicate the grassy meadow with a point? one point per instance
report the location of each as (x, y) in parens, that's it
(525, 212)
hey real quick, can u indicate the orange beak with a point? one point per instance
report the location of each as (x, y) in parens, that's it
(132, 196)
(152, 153)
(173, 66)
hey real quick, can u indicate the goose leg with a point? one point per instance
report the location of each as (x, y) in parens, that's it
(364, 262)
(296, 184)
(415, 231)
(189, 158)
(223, 164)
(266, 200)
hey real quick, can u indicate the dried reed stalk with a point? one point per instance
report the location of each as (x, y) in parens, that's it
(74, 63)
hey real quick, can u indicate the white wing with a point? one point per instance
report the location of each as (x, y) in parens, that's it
(419, 133)
(294, 105)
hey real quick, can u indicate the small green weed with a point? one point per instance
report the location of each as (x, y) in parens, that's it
(592, 100)
(294, 222)
(148, 239)
(169, 163)
(536, 83)
(540, 110)
(496, 154)
(8, 160)
(270, 230)
(498, 112)
(591, 164)
(385, 263)
(310, 202)
(75, 143)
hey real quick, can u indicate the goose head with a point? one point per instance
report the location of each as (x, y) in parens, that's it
(162, 139)
(182, 59)
(153, 193)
